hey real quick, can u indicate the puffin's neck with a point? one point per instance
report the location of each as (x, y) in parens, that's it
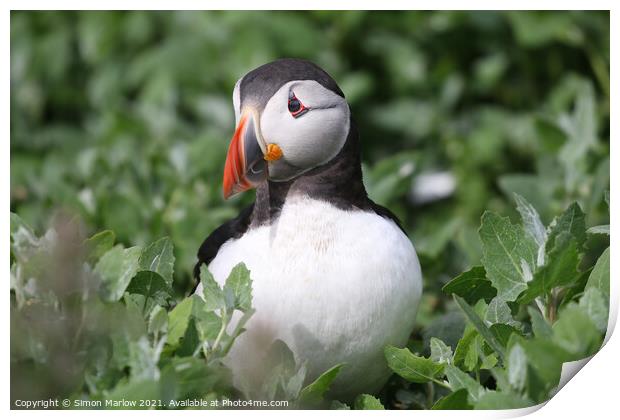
(339, 182)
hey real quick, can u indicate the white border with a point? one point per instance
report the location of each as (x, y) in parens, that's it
(591, 393)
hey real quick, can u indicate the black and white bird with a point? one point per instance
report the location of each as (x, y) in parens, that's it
(334, 275)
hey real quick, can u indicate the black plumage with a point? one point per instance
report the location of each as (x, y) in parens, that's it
(263, 82)
(234, 228)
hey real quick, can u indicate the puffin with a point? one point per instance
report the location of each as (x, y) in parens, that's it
(334, 275)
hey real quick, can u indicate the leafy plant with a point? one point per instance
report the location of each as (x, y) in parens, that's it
(532, 306)
(96, 321)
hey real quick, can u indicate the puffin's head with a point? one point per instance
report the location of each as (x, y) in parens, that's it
(291, 117)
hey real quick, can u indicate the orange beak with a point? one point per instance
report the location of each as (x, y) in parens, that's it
(245, 165)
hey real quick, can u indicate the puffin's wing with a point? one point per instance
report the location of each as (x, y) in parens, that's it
(234, 228)
(384, 212)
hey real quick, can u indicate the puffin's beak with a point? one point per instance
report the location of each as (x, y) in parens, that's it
(245, 166)
(246, 163)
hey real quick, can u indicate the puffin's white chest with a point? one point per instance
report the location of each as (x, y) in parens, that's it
(335, 285)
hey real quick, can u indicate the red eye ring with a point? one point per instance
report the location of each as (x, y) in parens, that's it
(295, 107)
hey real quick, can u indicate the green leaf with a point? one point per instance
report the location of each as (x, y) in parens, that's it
(229, 340)
(495, 400)
(599, 277)
(560, 269)
(480, 326)
(153, 287)
(599, 230)
(143, 360)
(208, 324)
(516, 366)
(509, 255)
(293, 386)
(457, 379)
(540, 327)
(239, 286)
(158, 258)
(474, 354)
(501, 378)
(440, 352)
(573, 222)
(533, 225)
(189, 377)
(466, 354)
(550, 134)
(502, 333)
(498, 312)
(595, 305)
(179, 319)
(367, 402)
(576, 333)
(546, 358)
(190, 342)
(411, 367)
(572, 293)
(211, 291)
(116, 269)
(99, 244)
(456, 400)
(279, 362)
(158, 320)
(488, 361)
(472, 286)
(282, 377)
(313, 393)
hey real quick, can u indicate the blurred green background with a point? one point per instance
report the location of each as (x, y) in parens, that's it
(124, 118)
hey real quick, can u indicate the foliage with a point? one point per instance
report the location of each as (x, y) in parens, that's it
(123, 119)
(97, 323)
(544, 312)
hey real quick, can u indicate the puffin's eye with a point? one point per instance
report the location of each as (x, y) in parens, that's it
(295, 107)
